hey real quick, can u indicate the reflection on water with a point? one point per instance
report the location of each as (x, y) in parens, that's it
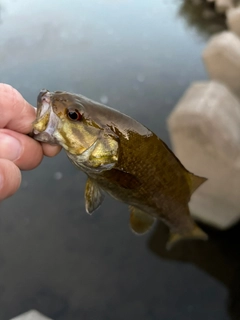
(220, 258)
(202, 16)
(53, 256)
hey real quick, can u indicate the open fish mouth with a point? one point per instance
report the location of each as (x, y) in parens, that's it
(47, 121)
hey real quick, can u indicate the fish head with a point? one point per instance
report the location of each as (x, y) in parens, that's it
(62, 119)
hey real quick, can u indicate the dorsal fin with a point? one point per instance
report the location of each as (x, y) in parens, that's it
(195, 181)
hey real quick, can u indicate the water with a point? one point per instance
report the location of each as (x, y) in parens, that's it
(139, 56)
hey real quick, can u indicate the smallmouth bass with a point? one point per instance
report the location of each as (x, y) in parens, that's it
(123, 158)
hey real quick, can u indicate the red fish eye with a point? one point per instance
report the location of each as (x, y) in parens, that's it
(74, 115)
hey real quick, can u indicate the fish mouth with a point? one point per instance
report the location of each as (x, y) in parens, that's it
(47, 121)
(44, 137)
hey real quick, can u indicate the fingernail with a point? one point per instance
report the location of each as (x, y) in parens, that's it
(10, 147)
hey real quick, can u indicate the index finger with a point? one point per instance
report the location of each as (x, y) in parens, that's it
(15, 112)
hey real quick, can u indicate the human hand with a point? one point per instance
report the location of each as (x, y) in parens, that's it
(17, 150)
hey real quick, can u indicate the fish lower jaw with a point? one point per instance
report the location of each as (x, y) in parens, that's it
(44, 137)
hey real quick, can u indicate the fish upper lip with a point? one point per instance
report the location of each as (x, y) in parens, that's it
(43, 103)
(42, 96)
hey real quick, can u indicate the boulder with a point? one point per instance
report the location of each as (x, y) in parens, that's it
(205, 132)
(233, 20)
(222, 6)
(222, 60)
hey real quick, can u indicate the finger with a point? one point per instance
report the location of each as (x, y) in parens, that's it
(50, 151)
(25, 152)
(10, 178)
(15, 112)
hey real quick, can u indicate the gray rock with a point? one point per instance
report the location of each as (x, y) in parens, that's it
(205, 134)
(222, 60)
(31, 315)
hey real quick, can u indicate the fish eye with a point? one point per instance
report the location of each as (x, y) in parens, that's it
(74, 115)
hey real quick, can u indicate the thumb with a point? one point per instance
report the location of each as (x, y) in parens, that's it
(10, 178)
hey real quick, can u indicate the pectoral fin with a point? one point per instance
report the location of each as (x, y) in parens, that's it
(140, 221)
(93, 196)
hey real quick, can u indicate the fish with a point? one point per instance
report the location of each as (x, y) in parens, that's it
(122, 158)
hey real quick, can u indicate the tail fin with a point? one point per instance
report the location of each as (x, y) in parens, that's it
(195, 181)
(195, 233)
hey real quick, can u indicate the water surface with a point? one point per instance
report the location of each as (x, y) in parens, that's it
(139, 57)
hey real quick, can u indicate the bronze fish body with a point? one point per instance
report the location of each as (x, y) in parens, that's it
(123, 158)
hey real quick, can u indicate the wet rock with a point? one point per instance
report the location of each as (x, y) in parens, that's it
(233, 20)
(205, 133)
(31, 315)
(223, 6)
(222, 60)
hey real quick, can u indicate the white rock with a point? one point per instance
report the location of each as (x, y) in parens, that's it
(233, 20)
(223, 6)
(222, 60)
(205, 134)
(31, 315)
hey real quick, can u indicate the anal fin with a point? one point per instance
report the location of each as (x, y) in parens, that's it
(140, 221)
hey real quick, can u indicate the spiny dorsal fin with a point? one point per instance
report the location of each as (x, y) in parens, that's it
(195, 181)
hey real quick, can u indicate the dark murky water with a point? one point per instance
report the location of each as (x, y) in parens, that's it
(139, 57)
